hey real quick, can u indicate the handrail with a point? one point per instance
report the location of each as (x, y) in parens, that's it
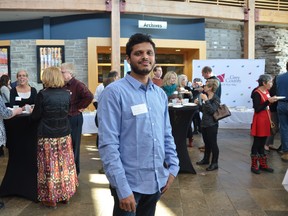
(279, 5)
(235, 3)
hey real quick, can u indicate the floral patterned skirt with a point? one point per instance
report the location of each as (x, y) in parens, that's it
(57, 177)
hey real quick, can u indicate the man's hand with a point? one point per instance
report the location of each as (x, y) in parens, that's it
(128, 204)
(168, 183)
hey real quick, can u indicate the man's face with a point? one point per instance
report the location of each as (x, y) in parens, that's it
(66, 74)
(205, 75)
(158, 72)
(142, 59)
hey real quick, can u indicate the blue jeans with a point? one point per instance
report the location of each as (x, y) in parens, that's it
(282, 110)
(146, 204)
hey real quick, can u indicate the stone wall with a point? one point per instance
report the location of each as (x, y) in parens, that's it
(23, 56)
(223, 40)
(271, 44)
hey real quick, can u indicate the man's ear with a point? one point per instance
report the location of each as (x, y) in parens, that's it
(127, 59)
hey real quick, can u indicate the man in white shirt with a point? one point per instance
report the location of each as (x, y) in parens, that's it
(98, 92)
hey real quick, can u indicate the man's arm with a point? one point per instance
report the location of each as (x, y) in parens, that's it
(109, 119)
(85, 96)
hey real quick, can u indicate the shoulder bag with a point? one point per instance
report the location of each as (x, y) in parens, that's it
(221, 112)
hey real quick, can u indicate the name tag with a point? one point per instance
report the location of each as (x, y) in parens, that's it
(17, 98)
(139, 109)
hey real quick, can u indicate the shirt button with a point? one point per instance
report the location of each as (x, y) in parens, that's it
(155, 140)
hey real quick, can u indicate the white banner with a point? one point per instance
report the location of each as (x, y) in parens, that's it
(238, 78)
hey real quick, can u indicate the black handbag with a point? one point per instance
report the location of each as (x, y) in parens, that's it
(221, 112)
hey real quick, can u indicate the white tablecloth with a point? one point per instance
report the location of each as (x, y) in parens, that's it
(238, 119)
(89, 126)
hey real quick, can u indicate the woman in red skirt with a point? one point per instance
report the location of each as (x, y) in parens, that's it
(261, 123)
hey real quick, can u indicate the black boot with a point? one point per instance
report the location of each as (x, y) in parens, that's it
(204, 161)
(213, 166)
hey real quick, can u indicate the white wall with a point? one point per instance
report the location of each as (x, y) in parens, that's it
(239, 78)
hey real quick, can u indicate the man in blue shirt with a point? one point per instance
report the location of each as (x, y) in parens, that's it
(282, 110)
(135, 139)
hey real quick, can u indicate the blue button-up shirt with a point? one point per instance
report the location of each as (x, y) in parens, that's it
(134, 147)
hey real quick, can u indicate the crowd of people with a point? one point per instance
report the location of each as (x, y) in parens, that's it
(134, 132)
(57, 110)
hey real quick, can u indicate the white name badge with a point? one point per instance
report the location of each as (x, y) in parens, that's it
(17, 98)
(139, 109)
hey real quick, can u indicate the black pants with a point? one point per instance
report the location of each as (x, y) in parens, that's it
(76, 123)
(146, 204)
(210, 140)
(197, 122)
(258, 145)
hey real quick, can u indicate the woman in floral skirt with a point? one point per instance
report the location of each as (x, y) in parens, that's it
(57, 177)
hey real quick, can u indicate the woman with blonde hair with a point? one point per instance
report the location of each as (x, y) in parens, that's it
(56, 177)
(183, 87)
(209, 126)
(23, 93)
(186, 91)
(169, 83)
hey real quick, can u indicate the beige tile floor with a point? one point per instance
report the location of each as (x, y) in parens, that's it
(230, 191)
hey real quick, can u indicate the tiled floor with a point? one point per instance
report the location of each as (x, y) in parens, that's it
(231, 190)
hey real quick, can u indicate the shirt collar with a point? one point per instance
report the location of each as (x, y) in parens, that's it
(69, 83)
(136, 84)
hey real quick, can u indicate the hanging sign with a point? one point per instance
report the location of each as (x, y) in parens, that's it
(152, 24)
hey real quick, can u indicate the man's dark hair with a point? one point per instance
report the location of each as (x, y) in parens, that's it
(136, 39)
(207, 69)
(112, 74)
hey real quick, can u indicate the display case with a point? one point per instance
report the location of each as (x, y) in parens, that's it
(5, 60)
(48, 56)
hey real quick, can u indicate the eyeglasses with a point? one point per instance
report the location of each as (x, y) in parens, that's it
(22, 75)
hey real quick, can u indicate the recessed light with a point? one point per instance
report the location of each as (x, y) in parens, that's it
(177, 50)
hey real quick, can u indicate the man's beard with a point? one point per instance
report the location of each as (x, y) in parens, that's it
(136, 70)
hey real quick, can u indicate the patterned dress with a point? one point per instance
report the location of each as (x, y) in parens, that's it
(57, 178)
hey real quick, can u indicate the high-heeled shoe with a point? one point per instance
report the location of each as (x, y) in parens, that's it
(66, 202)
(213, 166)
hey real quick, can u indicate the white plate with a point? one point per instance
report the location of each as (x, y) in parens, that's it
(178, 106)
(280, 97)
(190, 104)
